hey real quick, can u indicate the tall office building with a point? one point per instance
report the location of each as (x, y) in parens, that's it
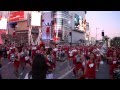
(61, 25)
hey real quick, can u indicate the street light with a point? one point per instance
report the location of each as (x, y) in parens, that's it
(96, 33)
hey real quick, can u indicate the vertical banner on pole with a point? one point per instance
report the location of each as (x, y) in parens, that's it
(3, 27)
(36, 18)
(36, 21)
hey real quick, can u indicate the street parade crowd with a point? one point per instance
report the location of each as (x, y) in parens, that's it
(86, 59)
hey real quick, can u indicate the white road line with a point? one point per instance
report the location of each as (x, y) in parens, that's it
(66, 74)
(63, 63)
(9, 62)
(26, 76)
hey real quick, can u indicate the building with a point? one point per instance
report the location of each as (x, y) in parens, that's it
(87, 34)
(77, 26)
(61, 23)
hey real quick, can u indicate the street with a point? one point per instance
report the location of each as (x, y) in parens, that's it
(62, 71)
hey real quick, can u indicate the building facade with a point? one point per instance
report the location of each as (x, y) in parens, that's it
(61, 24)
(77, 27)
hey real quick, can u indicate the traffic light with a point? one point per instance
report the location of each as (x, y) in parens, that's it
(70, 33)
(102, 33)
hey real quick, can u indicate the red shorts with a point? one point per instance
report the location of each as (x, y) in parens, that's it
(22, 59)
(112, 68)
(78, 66)
(90, 76)
(70, 57)
(16, 64)
(9, 56)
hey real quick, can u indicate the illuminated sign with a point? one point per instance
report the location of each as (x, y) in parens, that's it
(78, 23)
(36, 18)
(16, 16)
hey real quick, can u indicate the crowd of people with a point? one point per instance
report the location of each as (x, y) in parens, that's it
(86, 59)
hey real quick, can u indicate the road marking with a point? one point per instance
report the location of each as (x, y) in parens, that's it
(61, 77)
(26, 76)
(63, 63)
(9, 62)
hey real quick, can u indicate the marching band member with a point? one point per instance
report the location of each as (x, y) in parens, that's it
(62, 54)
(77, 61)
(50, 60)
(42, 50)
(28, 60)
(55, 53)
(98, 60)
(90, 68)
(22, 60)
(12, 53)
(70, 54)
(113, 63)
(41, 44)
(16, 63)
(34, 48)
(70, 57)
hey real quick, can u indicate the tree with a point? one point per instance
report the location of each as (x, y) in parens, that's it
(115, 42)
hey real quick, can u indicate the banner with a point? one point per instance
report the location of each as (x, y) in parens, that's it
(16, 16)
(36, 18)
(3, 23)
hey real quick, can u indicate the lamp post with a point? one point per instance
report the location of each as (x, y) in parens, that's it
(96, 33)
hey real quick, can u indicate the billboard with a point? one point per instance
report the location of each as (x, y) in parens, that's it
(36, 18)
(78, 23)
(3, 23)
(16, 16)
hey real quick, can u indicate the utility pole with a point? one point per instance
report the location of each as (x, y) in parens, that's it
(96, 33)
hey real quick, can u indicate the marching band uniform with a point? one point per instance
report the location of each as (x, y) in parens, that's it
(90, 70)
(16, 60)
(51, 60)
(113, 65)
(78, 64)
(34, 48)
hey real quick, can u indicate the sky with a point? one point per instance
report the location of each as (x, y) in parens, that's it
(109, 21)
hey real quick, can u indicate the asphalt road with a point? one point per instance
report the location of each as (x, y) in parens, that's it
(62, 71)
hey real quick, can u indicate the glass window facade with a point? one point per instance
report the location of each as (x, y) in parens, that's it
(62, 18)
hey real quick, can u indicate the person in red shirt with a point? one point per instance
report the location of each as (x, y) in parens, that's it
(51, 62)
(42, 50)
(34, 48)
(90, 69)
(113, 63)
(98, 59)
(16, 63)
(22, 59)
(41, 44)
(77, 61)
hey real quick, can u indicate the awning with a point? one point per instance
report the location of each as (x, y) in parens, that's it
(12, 24)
